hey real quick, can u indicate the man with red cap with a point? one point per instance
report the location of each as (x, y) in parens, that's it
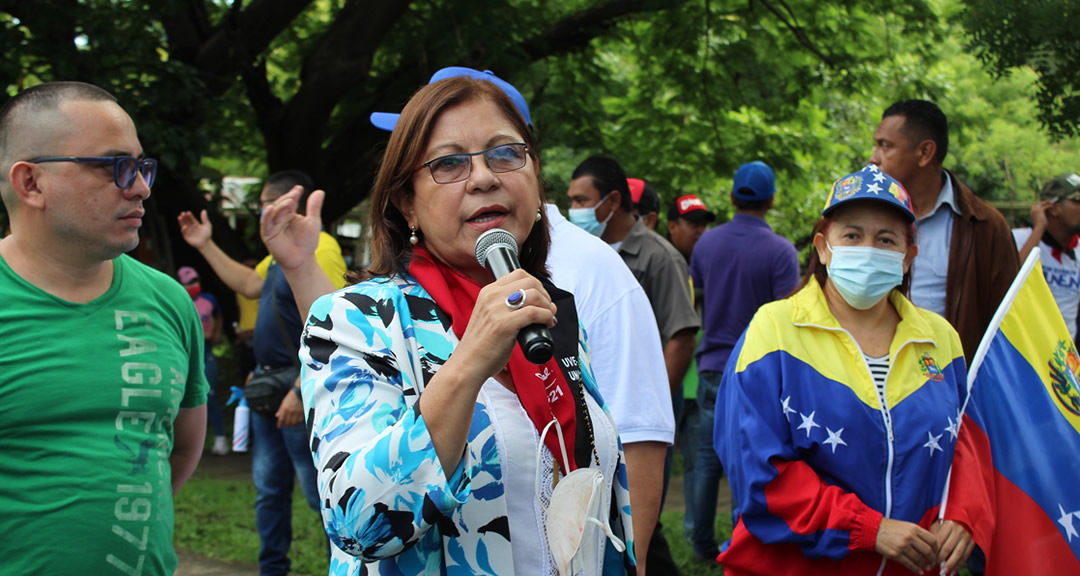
(646, 202)
(687, 219)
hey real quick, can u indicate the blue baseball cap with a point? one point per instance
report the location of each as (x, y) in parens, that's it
(870, 183)
(754, 181)
(387, 120)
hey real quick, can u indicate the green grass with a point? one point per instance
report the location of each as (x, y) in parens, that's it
(681, 549)
(215, 518)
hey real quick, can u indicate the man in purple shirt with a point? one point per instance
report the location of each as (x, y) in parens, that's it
(738, 266)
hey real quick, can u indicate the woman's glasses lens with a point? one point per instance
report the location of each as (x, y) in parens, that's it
(506, 158)
(451, 168)
(457, 167)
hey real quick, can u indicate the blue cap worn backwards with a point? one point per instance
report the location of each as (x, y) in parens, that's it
(387, 120)
(870, 183)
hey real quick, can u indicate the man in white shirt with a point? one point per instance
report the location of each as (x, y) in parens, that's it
(1055, 222)
(627, 360)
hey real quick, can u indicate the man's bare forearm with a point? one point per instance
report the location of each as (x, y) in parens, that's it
(241, 279)
(645, 472)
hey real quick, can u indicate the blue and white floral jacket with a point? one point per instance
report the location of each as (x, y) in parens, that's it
(367, 352)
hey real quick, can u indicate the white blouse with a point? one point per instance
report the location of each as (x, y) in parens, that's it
(518, 441)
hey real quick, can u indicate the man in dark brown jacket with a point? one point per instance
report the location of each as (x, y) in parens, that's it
(967, 258)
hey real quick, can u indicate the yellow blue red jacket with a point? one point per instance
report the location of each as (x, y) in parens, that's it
(816, 457)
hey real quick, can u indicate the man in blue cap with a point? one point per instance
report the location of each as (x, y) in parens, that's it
(737, 266)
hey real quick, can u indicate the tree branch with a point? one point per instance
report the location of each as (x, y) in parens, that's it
(706, 53)
(800, 35)
(334, 67)
(55, 28)
(221, 52)
(577, 30)
(266, 105)
(356, 144)
(344, 53)
(187, 28)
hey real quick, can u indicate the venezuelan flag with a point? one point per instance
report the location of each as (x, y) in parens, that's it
(1025, 392)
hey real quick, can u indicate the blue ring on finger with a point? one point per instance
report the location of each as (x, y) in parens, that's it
(515, 300)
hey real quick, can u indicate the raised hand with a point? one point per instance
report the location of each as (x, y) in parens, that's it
(291, 237)
(195, 232)
(1038, 215)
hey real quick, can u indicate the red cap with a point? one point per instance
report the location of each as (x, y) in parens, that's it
(690, 207)
(637, 186)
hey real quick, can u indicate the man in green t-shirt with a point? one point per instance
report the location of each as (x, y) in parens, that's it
(102, 392)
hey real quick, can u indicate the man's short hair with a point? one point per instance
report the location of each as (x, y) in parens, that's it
(923, 120)
(279, 183)
(749, 205)
(35, 100)
(606, 175)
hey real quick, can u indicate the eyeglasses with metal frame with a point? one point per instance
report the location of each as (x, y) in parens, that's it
(125, 168)
(457, 167)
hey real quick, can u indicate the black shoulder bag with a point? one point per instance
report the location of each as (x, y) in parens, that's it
(266, 390)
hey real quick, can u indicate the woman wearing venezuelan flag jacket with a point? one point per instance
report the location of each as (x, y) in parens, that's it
(839, 412)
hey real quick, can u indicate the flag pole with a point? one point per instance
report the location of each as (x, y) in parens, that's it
(984, 347)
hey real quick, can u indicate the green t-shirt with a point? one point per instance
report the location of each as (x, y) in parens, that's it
(88, 396)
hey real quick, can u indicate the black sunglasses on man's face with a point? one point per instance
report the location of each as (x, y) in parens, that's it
(125, 168)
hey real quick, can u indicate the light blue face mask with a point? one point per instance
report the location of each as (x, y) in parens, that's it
(863, 275)
(585, 218)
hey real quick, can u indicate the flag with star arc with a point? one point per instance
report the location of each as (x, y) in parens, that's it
(1024, 385)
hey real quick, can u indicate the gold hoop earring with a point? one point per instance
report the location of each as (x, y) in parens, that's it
(412, 238)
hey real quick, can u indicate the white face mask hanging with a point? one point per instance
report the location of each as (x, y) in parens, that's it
(579, 507)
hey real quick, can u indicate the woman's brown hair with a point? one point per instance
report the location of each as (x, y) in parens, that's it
(390, 248)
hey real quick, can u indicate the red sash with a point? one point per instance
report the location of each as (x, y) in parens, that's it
(542, 390)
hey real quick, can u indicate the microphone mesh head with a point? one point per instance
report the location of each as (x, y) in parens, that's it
(492, 238)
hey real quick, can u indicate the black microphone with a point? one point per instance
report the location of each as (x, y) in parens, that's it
(497, 251)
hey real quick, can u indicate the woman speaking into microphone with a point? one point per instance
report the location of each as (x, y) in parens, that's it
(439, 446)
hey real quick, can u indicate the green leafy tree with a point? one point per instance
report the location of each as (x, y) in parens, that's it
(680, 92)
(1042, 35)
(292, 81)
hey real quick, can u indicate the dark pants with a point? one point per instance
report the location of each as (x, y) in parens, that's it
(213, 407)
(278, 456)
(687, 428)
(708, 470)
(660, 560)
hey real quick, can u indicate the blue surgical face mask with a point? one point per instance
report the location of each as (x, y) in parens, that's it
(864, 275)
(585, 218)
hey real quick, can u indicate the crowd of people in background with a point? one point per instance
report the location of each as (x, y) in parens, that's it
(415, 426)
